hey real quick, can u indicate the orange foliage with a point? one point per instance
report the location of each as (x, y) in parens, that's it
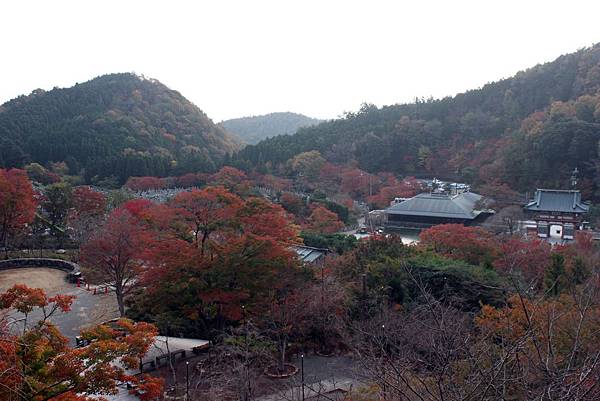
(471, 244)
(17, 203)
(324, 221)
(40, 365)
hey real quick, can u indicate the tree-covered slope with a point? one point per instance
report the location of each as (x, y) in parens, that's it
(115, 125)
(528, 130)
(254, 129)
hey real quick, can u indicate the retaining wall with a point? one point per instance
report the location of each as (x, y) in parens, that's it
(59, 264)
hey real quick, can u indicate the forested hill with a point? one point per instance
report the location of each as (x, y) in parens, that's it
(254, 129)
(529, 130)
(117, 125)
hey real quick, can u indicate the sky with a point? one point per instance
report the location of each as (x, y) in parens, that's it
(320, 58)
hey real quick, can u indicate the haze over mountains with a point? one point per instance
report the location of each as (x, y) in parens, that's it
(253, 129)
(116, 125)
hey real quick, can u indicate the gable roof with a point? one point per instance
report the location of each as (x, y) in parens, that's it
(557, 200)
(461, 206)
(309, 254)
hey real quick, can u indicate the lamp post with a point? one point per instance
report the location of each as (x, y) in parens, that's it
(247, 388)
(302, 373)
(187, 380)
(384, 347)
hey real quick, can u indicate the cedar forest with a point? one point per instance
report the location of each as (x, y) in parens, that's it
(467, 313)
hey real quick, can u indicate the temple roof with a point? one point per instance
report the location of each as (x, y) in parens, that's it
(557, 200)
(461, 206)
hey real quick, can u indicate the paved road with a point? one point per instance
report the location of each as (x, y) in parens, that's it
(321, 375)
(87, 309)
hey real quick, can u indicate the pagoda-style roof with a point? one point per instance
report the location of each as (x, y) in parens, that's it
(461, 206)
(557, 200)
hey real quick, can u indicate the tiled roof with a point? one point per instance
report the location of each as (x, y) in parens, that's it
(461, 206)
(309, 254)
(556, 200)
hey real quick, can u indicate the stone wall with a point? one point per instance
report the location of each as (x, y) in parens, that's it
(59, 264)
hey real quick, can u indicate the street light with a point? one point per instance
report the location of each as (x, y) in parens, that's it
(302, 373)
(187, 380)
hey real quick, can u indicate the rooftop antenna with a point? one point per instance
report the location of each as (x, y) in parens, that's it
(574, 177)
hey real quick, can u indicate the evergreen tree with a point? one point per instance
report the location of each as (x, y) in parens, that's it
(555, 277)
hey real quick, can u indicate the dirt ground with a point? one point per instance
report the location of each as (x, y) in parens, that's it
(51, 280)
(87, 309)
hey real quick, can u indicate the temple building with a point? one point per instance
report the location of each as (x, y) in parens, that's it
(557, 213)
(429, 209)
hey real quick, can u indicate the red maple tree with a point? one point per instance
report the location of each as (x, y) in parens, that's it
(113, 254)
(471, 244)
(17, 204)
(324, 221)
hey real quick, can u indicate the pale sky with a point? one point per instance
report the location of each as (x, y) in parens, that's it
(320, 58)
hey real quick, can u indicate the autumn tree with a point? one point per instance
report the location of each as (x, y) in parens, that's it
(471, 244)
(17, 204)
(525, 260)
(39, 364)
(358, 183)
(307, 164)
(39, 173)
(285, 319)
(326, 303)
(228, 254)
(145, 183)
(56, 203)
(113, 253)
(324, 221)
(87, 212)
(230, 178)
(546, 346)
(406, 188)
(207, 210)
(291, 203)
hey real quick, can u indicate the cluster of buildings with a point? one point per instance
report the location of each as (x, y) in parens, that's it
(550, 214)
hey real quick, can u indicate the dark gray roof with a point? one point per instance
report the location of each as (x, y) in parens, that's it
(308, 254)
(461, 206)
(556, 200)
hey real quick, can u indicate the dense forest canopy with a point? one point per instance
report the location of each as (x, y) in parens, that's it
(118, 125)
(256, 128)
(530, 130)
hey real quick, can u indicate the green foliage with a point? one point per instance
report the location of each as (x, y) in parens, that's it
(338, 243)
(580, 271)
(342, 211)
(529, 130)
(555, 279)
(117, 125)
(466, 286)
(117, 197)
(57, 201)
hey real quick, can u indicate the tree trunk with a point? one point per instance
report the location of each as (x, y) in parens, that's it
(282, 348)
(120, 302)
(5, 244)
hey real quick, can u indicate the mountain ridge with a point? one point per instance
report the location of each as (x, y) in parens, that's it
(253, 129)
(532, 129)
(116, 125)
